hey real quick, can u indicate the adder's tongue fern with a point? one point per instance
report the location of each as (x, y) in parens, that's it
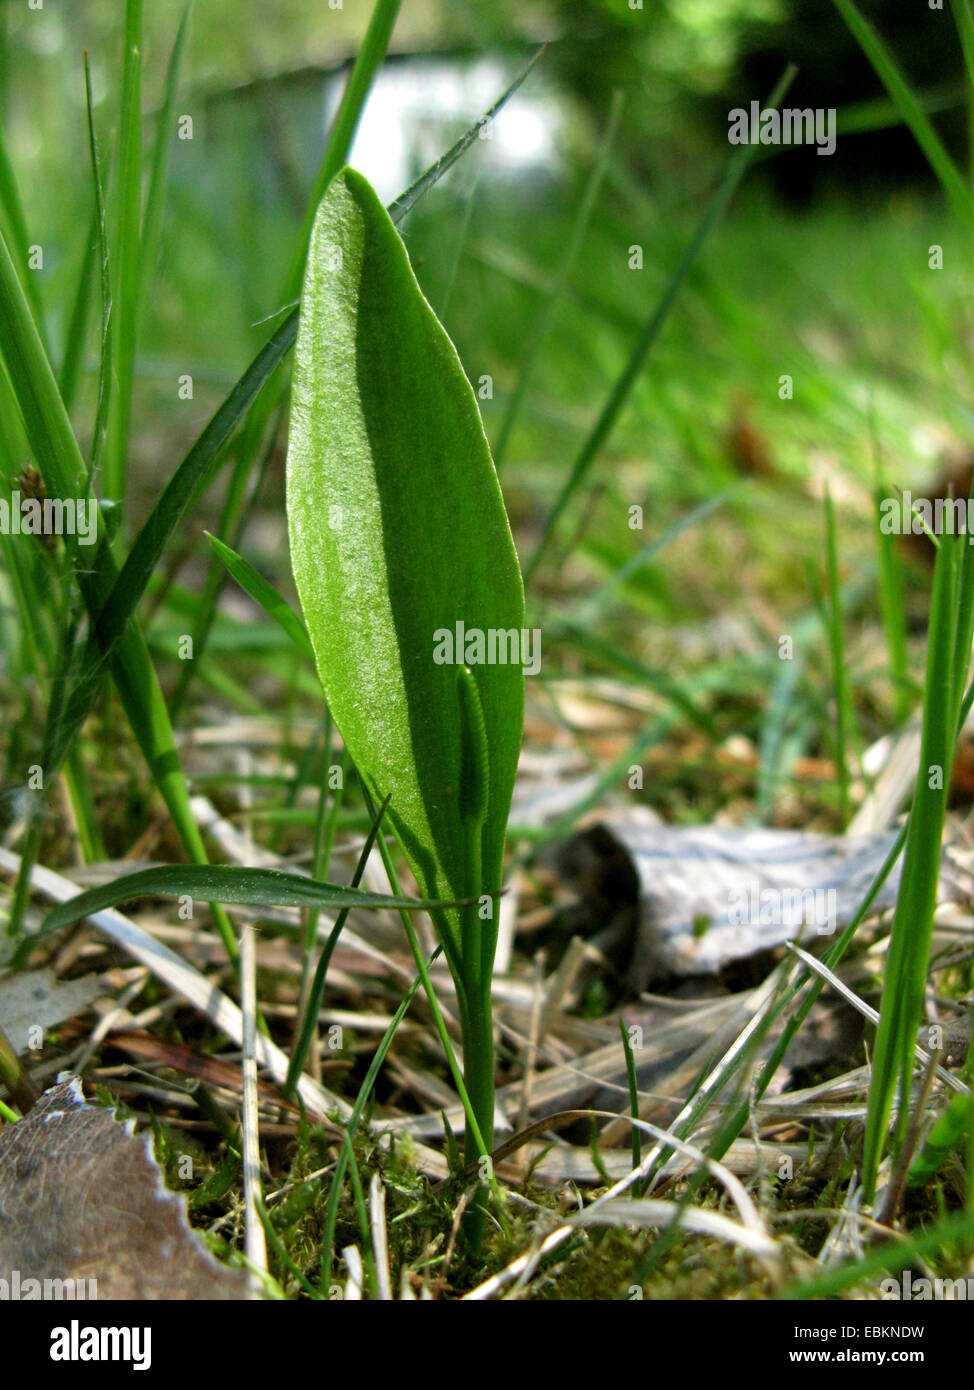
(398, 533)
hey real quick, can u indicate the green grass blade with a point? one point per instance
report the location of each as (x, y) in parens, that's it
(948, 1133)
(637, 1140)
(902, 1000)
(590, 608)
(45, 419)
(105, 365)
(370, 58)
(406, 201)
(892, 608)
(327, 813)
(619, 394)
(155, 197)
(59, 459)
(189, 479)
(102, 644)
(316, 992)
(964, 19)
(881, 113)
(890, 1257)
(910, 108)
(358, 1110)
(238, 505)
(128, 219)
(264, 594)
(74, 341)
(773, 746)
(218, 883)
(463, 234)
(14, 226)
(843, 707)
(542, 323)
(964, 622)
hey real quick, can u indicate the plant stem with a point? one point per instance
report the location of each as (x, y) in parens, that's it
(19, 1086)
(463, 1008)
(477, 942)
(478, 1075)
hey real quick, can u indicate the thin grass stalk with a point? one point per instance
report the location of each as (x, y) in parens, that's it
(542, 323)
(128, 218)
(474, 1026)
(237, 509)
(280, 1250)
(462, 237)
(14, 225)
(964, 19)
(59, 459)
(326, 827)
(72, 355)
(637, 1139)
(369, 60)
(346, 1152)
(619, 395)
(159, 170)
(892, 608)
(910, 108)
(843, 707)
(316, 992)
(105, 362)
(902, 999)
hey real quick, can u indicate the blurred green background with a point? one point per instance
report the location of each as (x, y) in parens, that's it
(820, 271)
(821, 268)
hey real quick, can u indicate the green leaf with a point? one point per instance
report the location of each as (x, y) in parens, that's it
(910, 108)
(398, 533)
(217, 883)
(198, 468)
(947, 1134)
(263, 593)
